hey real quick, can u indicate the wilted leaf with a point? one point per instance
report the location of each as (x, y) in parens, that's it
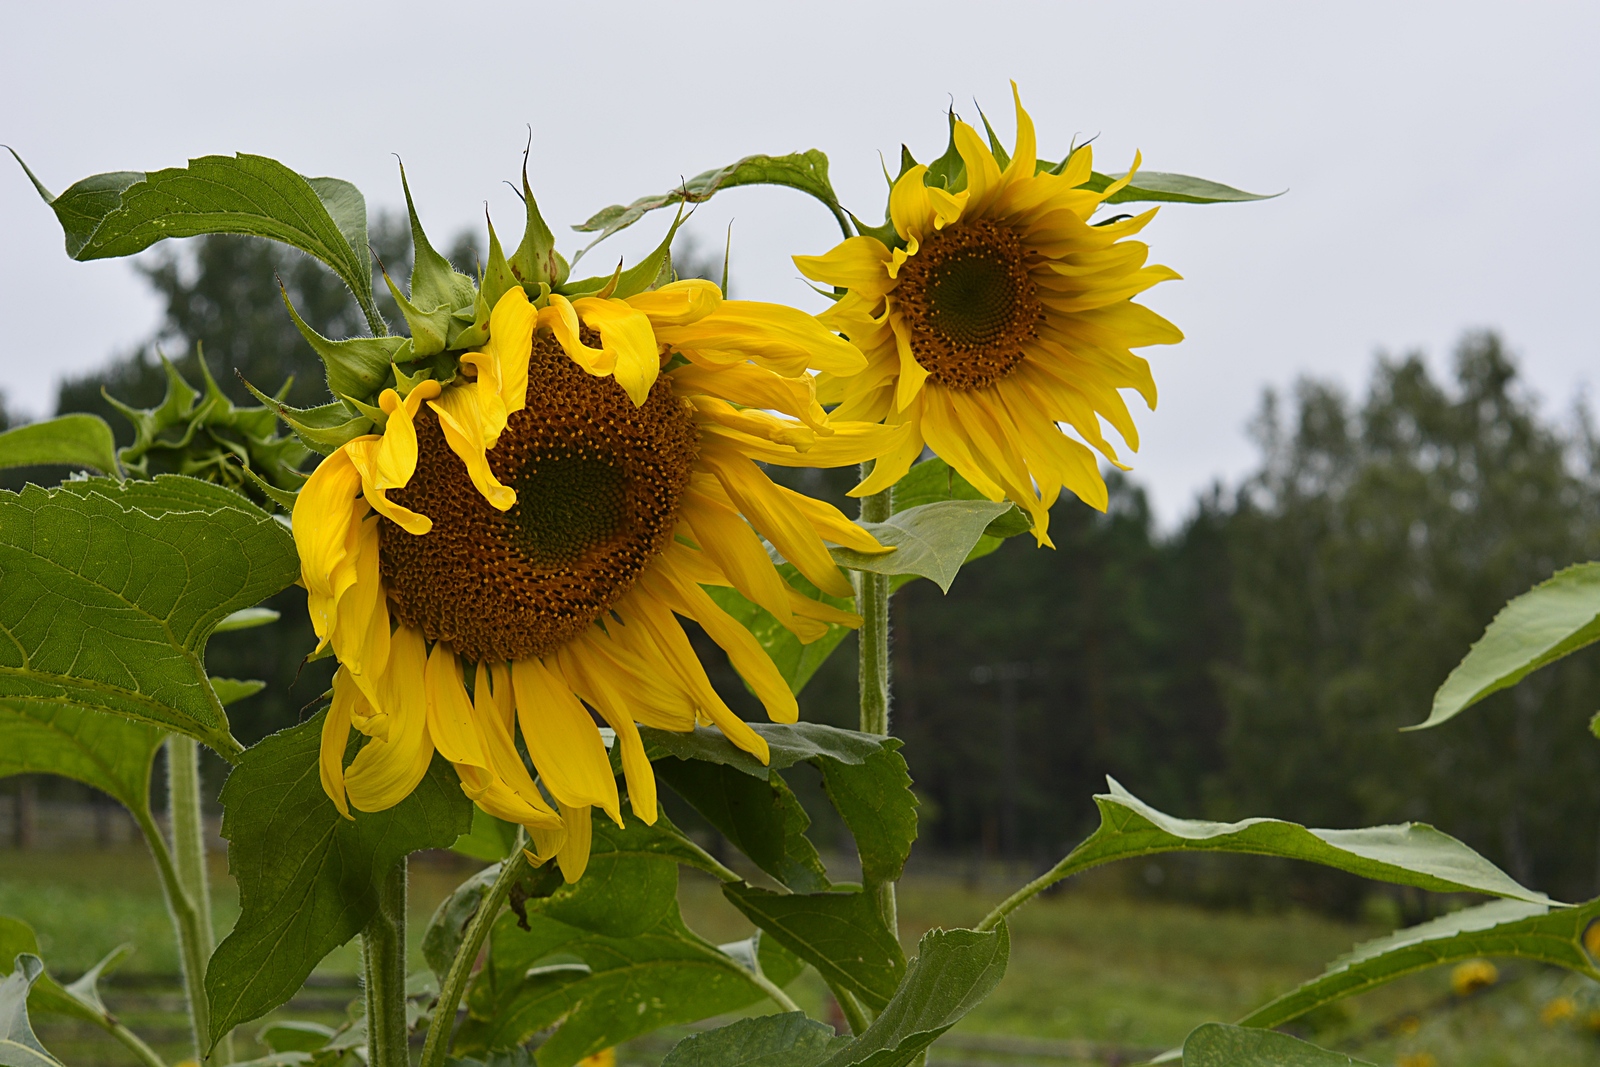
(1154, 185)
(69, 440)
(308, 879)
(18, 1045)
(110, 590)
(930, 540)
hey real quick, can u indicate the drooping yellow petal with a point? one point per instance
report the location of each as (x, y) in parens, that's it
(983, 173)
(593, 677)
(898, 457)
(912, 373)
(561, 319)
(335, 737)
(450, 711)
(831, 523)
(1025, 154)
(678, 303)
(950, 443)
(465, 425)
(757, 387)
(386, 770)
(395, 458)
(656, 697)
(729, 542)
(520, 796)
(363, 455)
(860, 264)
(563, 740)
(323, 514)
(627, 336)
(360, 636)
(795, 435)
(502, 364)
(783, 339)
(573, 855)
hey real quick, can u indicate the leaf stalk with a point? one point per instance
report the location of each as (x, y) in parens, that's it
(383, 959)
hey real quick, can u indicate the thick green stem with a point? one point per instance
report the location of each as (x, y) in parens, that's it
(872, 601)
(189, 854)
(186, 922)
(437, 1046)
(383, 952)
(773, 990)
(854, 1015)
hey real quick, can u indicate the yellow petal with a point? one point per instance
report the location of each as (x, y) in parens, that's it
(505, 763)
(781, 338)
(323, 515)
(573, 855)
(754, 387)
(983, 173)
(909, 208)
(627, 336)
(756, 423)
(363, 455)
(678, 303)
(831, 523)
(360, 637)
(656, 696)
(396, 457)
(912, 373)
(464, 422)
(1025, 155)
(950, 443)
(385, 771)
(502, 365)
(562, 320)
(450, 712)
(562, 740)
(898, 457)
(335, 737)
(857, 263)
(729, 542)
(593, 676)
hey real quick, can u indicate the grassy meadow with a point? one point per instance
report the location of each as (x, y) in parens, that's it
(1095, 976)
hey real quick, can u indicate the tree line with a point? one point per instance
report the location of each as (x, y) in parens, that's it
(1260, 658)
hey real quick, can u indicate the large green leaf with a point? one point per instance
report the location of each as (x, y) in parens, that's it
(931, 540)
(111, 754)
(119, 214)
(609, 958)
(797, 662)
(1555, 617)
(1219, 1045)
(1412, 854)
(68, 440)
(109, 591)
(18, 1045)
(48, 995)
(759, 817)
(788, 1039)
(789, 743)
(875, 800)
(308, 879)
(447, 929)
(953, 971)
(806, 171)
(842, 935)
(1510, 928)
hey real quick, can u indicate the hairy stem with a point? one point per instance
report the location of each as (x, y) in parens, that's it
(437, 1046)
(383, 960)
(773, 990)
(186, 922)
(872, 601)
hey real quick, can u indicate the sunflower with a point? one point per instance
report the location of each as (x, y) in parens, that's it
(1000, 313)
(513, 551)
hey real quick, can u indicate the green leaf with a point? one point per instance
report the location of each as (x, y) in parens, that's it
(119, 214)
(795, 661)
(931, 540)
(308, 879)
(842, 935)
(448, 927)
(18, 1045)
(953, 971)
(876, 802)
(68, 440)
(233, 690)
(788, 1039)
(789, 743)
(47, 995)
(609, 958)
(1509, 928)
(1556, 617)
(1153, 185)
(113, 588)
(294, 1035)
(1407, 854)
(109, 753)
(358, 367)
(1219, 1045)
(760, 817)
(490, 839)
(323, 429)
(806, 171)
(247, 619)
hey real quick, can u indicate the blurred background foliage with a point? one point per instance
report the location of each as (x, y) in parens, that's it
(1258, 658)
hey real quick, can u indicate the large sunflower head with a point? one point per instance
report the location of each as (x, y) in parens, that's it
(992, 309)
(511, 551)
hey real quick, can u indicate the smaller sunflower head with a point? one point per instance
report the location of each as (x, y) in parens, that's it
(502, 550)
(993, 309)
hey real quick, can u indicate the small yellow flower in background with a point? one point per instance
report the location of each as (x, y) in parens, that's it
(1473, 975)
(537, 527)
(1591, 939)
(603, 1058)
(1591, 1020)
(1409, 1025)
(1417, 1059)
(1557, 1010)
(1003, 314)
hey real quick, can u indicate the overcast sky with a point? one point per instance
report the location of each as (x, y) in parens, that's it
(1441, 160)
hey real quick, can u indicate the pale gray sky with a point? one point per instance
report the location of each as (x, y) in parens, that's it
(1441, 158)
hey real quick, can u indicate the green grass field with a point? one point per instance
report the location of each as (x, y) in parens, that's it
(1094, 975)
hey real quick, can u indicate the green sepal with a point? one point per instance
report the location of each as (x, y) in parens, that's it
(324, 429)
(379, 417)
(907, 161)
(440, 368)
(281, 497)
(358, 366)
(655, 269)
(438, 290)
(949, 171)
(498, 280)
(429, 329)
(536, 260)
(1001, 156)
